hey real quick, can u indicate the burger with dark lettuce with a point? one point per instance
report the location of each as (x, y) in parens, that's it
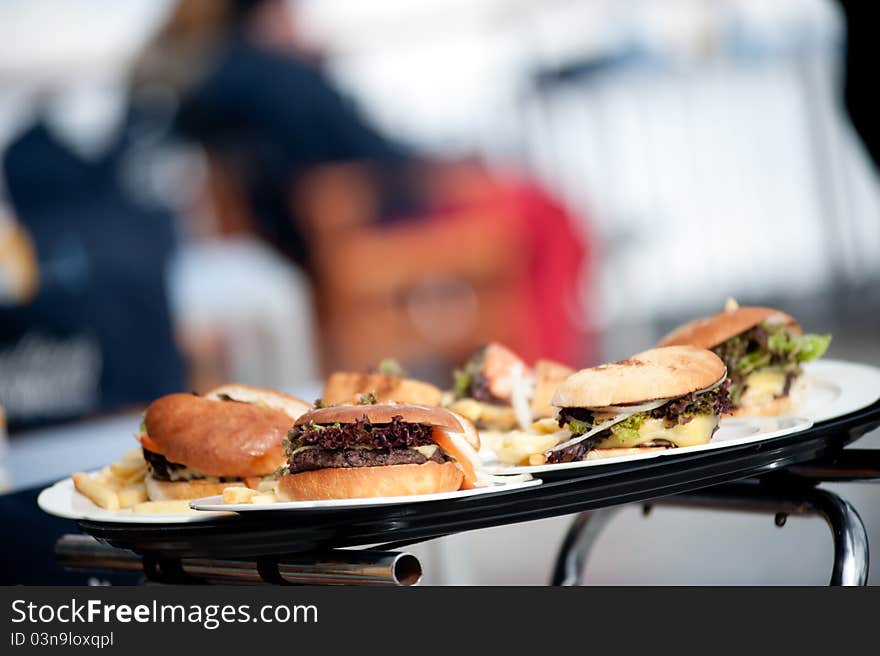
(764, 350)
(377, 450)
(659, 399)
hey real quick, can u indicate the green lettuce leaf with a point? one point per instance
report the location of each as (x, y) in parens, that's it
(781, 341)
(578, 427)
(811, 347)
(753, 361)
(462, 383)
(628, 429)
(390, 367)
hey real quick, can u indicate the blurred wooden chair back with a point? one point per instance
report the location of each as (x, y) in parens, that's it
(422, 291)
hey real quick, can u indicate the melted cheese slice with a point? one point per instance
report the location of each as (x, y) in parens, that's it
(762, 387)
(697, 431)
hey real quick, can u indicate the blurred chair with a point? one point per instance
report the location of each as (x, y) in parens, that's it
(432, 290)
(483, 260)
(471, 268)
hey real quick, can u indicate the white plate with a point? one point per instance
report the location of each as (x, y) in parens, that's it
(836, 388)
(731, 432)
(216, 502)
(62, 500)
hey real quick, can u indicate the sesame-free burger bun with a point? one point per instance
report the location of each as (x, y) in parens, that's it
(359, 482)
(383, 414)
(346, 387)
(292, 406)
(709, 332)
(660, 373)
(218, 438)
(778, 407)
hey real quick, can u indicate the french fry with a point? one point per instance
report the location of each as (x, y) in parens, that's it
(96, 490)
(167, 507)
(133, 478)
(546, 426)
(104, 476)
(135, 455)
(126, 469)
(517, 447)
(132, 495)
(238, 494)
(267, 486)
(264, 498)
(537, 459)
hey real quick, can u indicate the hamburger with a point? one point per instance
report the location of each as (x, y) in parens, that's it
(497, 391)
(354, 451)
(196, 446)
(659, 399)
(763, 350)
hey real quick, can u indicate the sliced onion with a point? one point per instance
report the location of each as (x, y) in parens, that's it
(522, 389)
(634, 409)
(590, 433)
(486, 479)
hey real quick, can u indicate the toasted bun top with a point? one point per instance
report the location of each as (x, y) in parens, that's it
(220, 438)
(709, 332)
(660, 373)
(383, 414)
(345, 387)
(270, 398)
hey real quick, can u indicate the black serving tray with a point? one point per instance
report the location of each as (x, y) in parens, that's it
(252, 535)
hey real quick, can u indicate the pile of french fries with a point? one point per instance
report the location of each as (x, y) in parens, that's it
(521, 448)
(118, 485)
(121, 485)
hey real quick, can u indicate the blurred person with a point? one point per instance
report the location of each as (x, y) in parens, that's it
(313, 171)
(85, 325)
(257, 99)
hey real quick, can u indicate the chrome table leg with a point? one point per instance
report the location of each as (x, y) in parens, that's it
(851, 553)
(576, 546)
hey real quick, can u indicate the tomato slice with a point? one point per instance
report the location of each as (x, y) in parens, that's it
(462, 460)
(253, 482)
(149, 444)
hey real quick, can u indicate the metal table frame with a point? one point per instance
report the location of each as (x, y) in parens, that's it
(792, 492)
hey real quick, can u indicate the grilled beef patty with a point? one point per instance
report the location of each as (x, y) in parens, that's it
(310, 459)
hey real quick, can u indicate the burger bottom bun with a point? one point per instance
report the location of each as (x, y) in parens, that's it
(619, 452)
(780, 406)
(167, 490)
(361, 482)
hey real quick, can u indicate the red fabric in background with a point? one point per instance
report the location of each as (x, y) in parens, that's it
(557, 254)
